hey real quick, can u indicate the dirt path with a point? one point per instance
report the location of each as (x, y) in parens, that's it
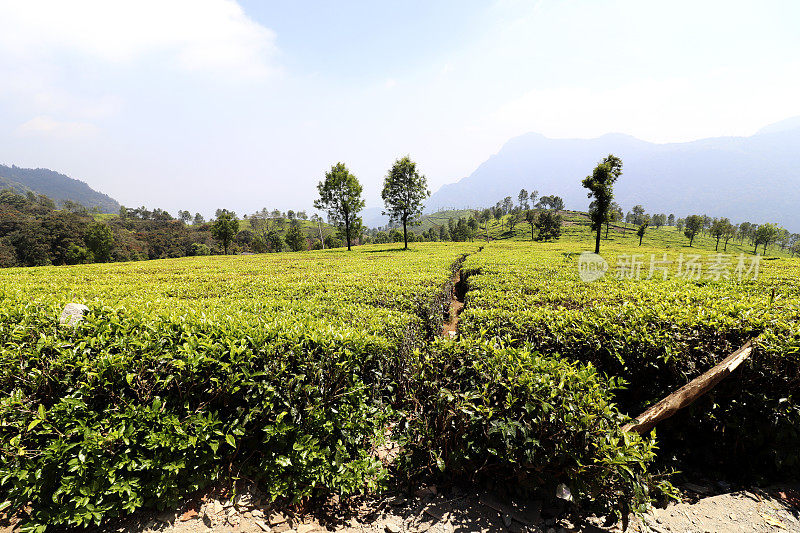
(458, 509)
(450, 327)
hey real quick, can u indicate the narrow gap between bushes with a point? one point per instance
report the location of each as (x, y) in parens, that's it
(457, 295)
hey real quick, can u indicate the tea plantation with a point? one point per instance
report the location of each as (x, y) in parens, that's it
(292, 369)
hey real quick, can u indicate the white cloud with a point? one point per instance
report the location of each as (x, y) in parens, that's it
(204, 35)
(45, 126)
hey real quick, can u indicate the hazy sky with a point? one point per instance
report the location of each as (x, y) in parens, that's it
(198, 104)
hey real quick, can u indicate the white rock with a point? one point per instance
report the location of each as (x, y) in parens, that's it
(72, 314)
(391, 527)
(563, 492)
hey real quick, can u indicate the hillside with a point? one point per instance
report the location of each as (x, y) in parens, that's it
(753, 178)
(440, 218)
(57, 186)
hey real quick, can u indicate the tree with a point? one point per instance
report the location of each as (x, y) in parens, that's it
(530, 218)
(671, 220)
(659, 220)
(730, 233)
(340, 196)
(549, 225)
(522, 197)
(532, 196)
(275, 242)
(225, 228)
(640, 232)
(404, 190)
(601, 188)
(513, 218)
(508, 205)
(295, 238)
(185, 216)
(99, 240)
(638, 215)
(614, 215)
(719, 228)
(693, 224)
(766, 234)
(198, 219)
(556, 203)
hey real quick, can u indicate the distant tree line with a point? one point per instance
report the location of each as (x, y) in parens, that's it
(35, 231)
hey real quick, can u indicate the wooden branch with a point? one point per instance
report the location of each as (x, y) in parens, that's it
(687, 394)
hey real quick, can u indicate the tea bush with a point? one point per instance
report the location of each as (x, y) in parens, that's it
(487, 411)
(128, 411)
(656, 335)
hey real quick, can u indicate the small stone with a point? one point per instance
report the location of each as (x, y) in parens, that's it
(306, 528)
(257, 513)
(276, 518)
(263, 525)
(391, 527)
(72, 314)
(563, 492)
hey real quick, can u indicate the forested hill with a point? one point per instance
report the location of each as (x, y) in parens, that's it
(55, 186)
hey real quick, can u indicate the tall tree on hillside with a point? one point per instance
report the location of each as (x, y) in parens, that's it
(693, 224)
(522, 197)
(549, 225)
(601, 188)
(340, 196)
(719, 228)
(766, 234)
(185, 216)
(640, 232)
(530, 218)
(198, 219)
(532, 196)
(225, 228)
(508, 205)
(404, 190)
(638, 215)
(730, 232)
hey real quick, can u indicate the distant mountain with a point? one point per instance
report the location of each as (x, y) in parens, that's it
(373, 217)
(56, 186)
(753, 178)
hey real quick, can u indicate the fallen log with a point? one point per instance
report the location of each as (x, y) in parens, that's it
(687, 394)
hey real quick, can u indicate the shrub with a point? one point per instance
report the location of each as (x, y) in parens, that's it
(489, 411)
(199, 248)
(129, 411)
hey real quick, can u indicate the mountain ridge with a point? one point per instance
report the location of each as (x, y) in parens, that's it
(59, 187)
(755, 178)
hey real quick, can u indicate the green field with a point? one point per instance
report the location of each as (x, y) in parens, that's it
(291, 368)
